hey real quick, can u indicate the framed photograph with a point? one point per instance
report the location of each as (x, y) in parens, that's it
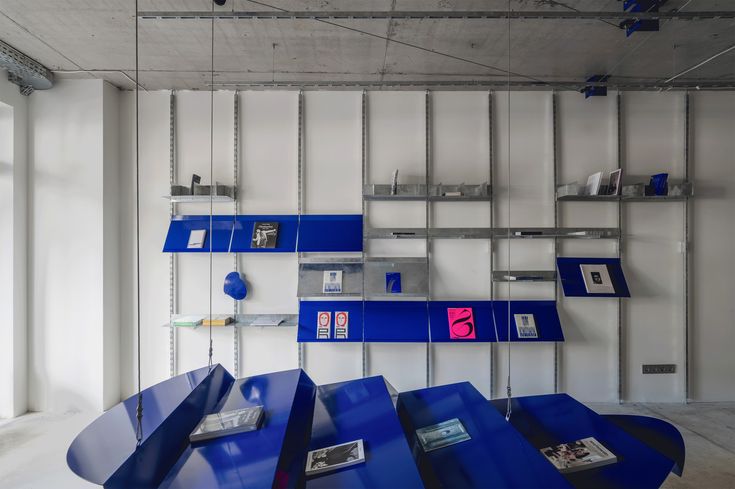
(335, 457)
(614, 183)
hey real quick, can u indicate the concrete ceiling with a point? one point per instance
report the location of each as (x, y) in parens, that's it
(96, 38)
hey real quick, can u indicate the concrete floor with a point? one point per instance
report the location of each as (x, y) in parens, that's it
(33, 447)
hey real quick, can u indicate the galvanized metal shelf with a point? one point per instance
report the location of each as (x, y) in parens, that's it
(202, 193)
(245, 320)
(492, 233)
(439, 193)
(414, 277)
(623, 198)
(524, 276)
(557, 233)
(311, 278)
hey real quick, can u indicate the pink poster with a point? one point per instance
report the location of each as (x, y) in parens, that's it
(461, 323)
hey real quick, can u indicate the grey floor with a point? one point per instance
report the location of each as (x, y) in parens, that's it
(33, 447)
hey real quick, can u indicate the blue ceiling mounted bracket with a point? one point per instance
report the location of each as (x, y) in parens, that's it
(596, 90)
(644, 25)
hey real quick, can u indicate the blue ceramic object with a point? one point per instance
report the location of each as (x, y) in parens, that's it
(235, 286)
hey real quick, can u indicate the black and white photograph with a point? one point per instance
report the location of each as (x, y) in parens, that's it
(584, 454)
(228, 423)
(525, 326)
(335, 457)
(614, 182)
(265, 235)
(597, 279)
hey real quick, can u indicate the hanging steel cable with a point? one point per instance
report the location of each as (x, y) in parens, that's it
(139, 408)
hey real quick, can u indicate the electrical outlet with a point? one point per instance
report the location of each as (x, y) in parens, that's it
(665, 368)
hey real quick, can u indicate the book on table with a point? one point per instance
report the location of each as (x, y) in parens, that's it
(584, 454)
(335, 457)
(228, 423)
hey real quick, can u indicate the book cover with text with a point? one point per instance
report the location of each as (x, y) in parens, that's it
(461, 323)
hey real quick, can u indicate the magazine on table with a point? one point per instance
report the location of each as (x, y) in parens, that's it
(442, 434)
(228, 423)
(587, 453)
(335, 457)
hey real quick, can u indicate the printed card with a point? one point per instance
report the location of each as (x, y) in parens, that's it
(461, 323)
(323, 325)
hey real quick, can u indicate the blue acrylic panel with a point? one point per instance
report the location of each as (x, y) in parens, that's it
(656, 433)
(330, 233)
(553, 419)
(308, 314)
(544, 313)
(497, 455)
(362, 409)
(180, 227)
(105, 452)
(243, 234)
(440, 327)
(573, 284)
(396, 321)
(273, 456)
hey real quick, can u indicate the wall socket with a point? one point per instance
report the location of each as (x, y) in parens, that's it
(664, 368)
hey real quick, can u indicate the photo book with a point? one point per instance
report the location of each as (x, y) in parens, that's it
(442, 435)
(393, 282)
(265, 235)
(332, 282)
(525, 326)
(335, 457)
(323, 325)
(584, 454)
(593, 184)
(341, 325)
(227, 423)
(613, 183)
(196, 238)
(461, 323)
(597, 279)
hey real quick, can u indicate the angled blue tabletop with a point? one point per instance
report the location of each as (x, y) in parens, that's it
(362, 409)
(273, 456)
(497, 455)
(553, 419)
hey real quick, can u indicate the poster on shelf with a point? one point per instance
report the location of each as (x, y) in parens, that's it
(461, 323)
(323, 325)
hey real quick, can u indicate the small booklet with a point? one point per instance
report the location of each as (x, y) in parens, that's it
(228, 423)
(332, 282)
(335, 457)
(461, 323)
(323, 325)
(442, 435)
(593, 184)
(341, 325)
(597, 279)
(265, 235)
(196, 238)
(583, 454)
(525, 326)
(393, 283)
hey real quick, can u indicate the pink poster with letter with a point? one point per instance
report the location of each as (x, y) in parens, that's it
(461, 323)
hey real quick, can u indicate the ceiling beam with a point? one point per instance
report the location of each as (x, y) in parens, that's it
(425, 14)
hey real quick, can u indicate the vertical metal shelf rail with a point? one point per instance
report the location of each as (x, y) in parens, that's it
(491, 244)
(685, 250)
(236, 162)
(300, 183)
(555, 161)
(172, 259)
(364, 176)
(428, 154)
(621, 161)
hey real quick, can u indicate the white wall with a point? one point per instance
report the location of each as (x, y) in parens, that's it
(13, 257)
(73, 332)
(653, 324)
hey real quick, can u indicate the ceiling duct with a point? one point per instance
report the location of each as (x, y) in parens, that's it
(25, 72)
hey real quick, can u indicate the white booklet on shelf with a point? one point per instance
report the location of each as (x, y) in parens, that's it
(597, 279)
(525, 326)
(196, 238)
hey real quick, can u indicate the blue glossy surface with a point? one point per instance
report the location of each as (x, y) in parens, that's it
(656, 433)
(558, 418)
(273, 456)
(308, 311)
(335, 233)
(573, 284)
(496, 456)
(242, 235)
(180, 227)
(544, 313)
(481, 311)
(399, 321)
(362, 409)
(105, 451)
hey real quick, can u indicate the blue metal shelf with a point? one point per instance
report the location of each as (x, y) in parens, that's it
(180, 227)
(573, 283)
(553, 419)
(545, 316)
(288, 227)
(330, 233)
(362, 409)
(309, 310)
(396, 321)
(497, 455)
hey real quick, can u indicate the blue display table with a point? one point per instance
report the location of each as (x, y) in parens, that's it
(496, 456)
(362, 409)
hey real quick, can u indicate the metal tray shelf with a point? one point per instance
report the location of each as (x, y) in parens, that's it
(202, 193)
(247, 320)
(524, 276)
(457, 193)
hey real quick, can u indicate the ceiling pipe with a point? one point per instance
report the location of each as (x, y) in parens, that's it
(438, 14)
